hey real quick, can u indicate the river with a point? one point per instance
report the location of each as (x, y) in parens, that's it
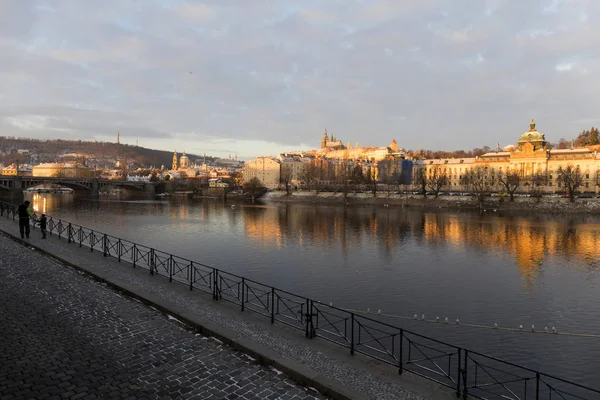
(516, 269)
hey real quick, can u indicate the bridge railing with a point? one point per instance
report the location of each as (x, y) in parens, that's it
(467, 372)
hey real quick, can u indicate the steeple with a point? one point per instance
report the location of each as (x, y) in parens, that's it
(174, 166)
(324, 140)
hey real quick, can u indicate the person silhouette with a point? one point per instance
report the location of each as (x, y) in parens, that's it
(24, 214)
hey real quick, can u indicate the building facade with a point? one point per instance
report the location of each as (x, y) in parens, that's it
(11, 170)
(531, 159)
(62, 170)
(266, 169)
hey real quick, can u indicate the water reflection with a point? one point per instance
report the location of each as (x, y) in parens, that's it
(529, 240)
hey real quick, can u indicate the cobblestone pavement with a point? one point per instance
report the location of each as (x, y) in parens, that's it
(67, 336)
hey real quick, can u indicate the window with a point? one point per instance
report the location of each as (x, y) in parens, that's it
(587, 176)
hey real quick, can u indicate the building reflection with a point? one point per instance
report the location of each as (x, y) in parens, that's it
(528, 240)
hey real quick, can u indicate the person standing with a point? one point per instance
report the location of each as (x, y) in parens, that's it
(24, 214)
(42, 222)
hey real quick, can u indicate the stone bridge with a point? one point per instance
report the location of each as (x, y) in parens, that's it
(19, 183)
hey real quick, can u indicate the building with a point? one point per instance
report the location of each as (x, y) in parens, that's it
(266, 169)
(184, 161)
(11, 170)
(175, 163)
(62, 170)
(294, 166)
(531, 159)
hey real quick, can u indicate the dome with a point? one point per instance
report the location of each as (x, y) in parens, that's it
(532, 135)
(510, 147)
(532, 139)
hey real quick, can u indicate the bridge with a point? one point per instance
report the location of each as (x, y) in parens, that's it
(17, 184)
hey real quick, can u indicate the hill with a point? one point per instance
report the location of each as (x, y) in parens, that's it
(102, 154)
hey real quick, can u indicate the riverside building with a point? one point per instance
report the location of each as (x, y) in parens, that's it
(531, 158)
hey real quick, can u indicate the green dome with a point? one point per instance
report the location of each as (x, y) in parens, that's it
(532, 135)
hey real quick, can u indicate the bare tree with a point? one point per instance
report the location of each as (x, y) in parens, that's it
(511, 182)
(570, 179)
(254, 188)
(537, 182)
(420, 179)
(480, 183)
(285, 177)
(437, 181)
(372, 180)
(309, 174)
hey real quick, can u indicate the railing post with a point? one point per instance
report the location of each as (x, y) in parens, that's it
(134, 254)
(215, 284)
(119, 250)
(243, 291)
(537, 386)
(171, 268)
(105, 245)
(307, 317)
(80, 234)
(69, 230)
(59, 232)
(352, 333)
(272, 305)
(465, 390)
(400, 364)
(458, 372)
(151, 261)
(92, 240)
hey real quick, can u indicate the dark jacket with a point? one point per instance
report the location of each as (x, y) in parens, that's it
(24, 211)
(43, 223)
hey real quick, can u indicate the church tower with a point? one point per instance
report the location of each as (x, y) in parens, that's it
(118, 138)
(174, 166)
(324, 140)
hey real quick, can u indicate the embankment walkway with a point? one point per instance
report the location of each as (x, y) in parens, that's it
(68, 336)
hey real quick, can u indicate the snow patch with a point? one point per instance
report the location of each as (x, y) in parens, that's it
(172, 318)
(278, 372)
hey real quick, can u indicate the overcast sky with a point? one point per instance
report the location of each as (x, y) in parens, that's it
(255, 77)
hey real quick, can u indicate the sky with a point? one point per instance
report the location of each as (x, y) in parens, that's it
(263, 76)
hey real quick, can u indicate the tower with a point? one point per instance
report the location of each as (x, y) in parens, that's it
(324, 140)
(174, 162)
(118, 138)
(137, 141)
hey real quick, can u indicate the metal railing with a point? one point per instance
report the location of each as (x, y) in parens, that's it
(467, 372)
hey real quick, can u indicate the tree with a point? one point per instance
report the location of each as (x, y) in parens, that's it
(570, 179)
(420, 179)
(563, 144)
(309, 174)
(357, 175)
(480, 183)
(511, 182)
(594, 136)
(437, 180)
(537, 182)
(372, 179)
(285, 177)
(254, 188)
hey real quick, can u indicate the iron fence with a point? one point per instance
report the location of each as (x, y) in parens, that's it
(468, 373)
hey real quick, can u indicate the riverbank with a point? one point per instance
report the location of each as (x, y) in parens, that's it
(546, 205)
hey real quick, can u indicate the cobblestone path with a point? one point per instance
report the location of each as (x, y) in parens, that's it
(63, 335)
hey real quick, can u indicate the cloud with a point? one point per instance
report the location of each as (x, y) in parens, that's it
(432, 74)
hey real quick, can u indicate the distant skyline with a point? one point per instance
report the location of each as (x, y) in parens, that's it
(255, 78)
